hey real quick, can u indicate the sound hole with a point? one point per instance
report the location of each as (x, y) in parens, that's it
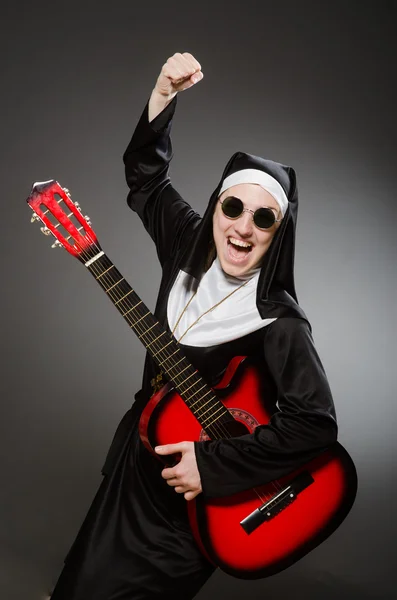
(236, 428)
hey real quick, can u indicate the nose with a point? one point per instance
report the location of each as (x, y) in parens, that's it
(244, 224)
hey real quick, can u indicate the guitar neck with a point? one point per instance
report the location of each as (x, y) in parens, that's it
(161, 345)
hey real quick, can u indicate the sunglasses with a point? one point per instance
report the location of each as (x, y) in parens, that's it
(263, 217)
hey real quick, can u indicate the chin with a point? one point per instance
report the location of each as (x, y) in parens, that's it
(235, 270)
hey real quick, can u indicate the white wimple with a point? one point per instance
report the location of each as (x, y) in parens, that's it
(266, 181)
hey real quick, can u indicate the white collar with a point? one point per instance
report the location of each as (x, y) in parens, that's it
(235, 317)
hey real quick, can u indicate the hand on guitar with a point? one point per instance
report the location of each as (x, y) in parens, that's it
(185, 476)
(180, 72)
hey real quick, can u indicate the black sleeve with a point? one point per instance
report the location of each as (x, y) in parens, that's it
(304, 425)
(166, 216)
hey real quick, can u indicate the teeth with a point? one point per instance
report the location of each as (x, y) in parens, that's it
(240, 242)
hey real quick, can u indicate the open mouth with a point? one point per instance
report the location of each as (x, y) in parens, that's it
(237, 249)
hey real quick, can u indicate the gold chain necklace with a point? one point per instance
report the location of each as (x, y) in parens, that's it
(207, 311)
(157, 382)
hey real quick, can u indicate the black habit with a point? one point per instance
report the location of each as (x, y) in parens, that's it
(135, 542)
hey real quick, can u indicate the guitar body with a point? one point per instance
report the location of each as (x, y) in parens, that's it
(296, 527)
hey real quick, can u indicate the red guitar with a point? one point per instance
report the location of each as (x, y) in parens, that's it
(251, 534)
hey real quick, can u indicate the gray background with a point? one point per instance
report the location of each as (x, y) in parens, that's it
(304, 83)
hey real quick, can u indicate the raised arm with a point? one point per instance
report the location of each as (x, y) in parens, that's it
(165, 215)
(179, 73)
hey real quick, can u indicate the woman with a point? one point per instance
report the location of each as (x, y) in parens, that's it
(227, 289)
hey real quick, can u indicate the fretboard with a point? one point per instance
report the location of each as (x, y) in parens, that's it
(162, 346)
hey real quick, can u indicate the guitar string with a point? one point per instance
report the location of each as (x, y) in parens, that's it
(219, 429)
(107, 278)
(114, 295)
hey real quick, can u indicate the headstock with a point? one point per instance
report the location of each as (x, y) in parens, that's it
(62, 218)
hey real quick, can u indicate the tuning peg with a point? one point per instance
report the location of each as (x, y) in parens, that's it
(66, 191)
(87, 218)
(45, 230)
(35, 217)
(56, 244)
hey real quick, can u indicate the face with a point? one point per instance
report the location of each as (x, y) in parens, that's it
(240, 244)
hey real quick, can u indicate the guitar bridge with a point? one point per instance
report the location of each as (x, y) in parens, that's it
(277, 503)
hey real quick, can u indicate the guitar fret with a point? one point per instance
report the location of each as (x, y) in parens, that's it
(199, 398)
(163, 348)
(179, 361)
(155, 340)
(180, 373)
(147, 330)
(212, 422)
(136, 322)
(128, 311)
(168, 357)
(112, 286)
(127, 294)
(202, 414)
(99, 276)
(191, 375)
(193, 384)
(201, 407)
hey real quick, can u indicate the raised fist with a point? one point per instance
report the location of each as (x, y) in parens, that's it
(179, 73)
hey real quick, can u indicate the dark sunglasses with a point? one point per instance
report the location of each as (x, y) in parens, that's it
(263, 217)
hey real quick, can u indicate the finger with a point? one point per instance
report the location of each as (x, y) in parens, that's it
(164, 449)
(195, 64)
(178, 70)
(173, 482)
(185, 64)
(185, 69)
(170, 71)
(168, 473)
(170, 448)
(191, 67)
(190, 494)
(196, 77)
(180, 489)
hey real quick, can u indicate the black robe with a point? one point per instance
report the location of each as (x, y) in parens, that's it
(135, 541)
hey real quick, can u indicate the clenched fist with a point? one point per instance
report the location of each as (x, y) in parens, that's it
(179, 73)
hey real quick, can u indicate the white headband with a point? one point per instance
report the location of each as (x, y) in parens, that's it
(267, 182)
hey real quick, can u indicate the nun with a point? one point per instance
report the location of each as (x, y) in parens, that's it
(227, 289)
